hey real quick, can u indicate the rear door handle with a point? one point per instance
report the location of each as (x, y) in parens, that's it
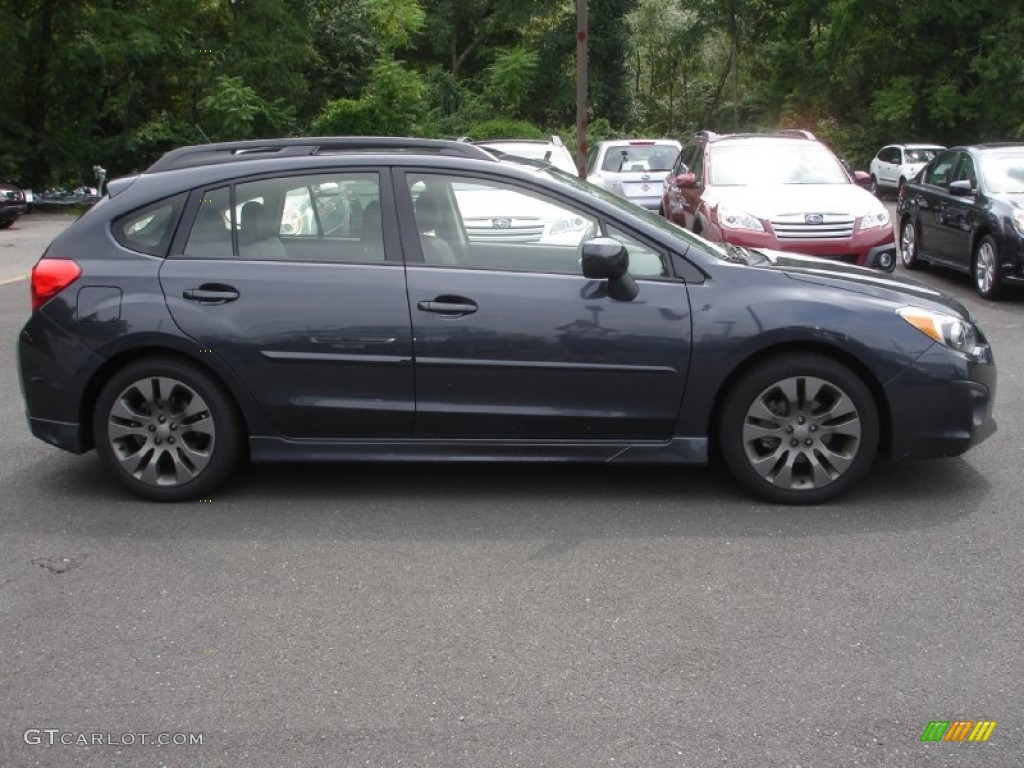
(211, 293)
(448, 306)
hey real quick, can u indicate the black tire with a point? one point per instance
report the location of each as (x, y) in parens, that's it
(799, 430)
(909, 244)
(6, 224)
(153, 404)
(873, 186)
(988, 277)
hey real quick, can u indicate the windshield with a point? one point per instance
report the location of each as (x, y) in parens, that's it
(920, 155)
(625, 158)
(752, 164)
(1003, 171)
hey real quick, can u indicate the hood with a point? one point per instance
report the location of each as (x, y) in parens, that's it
(1016, 199)
(862, 280)
(771, 201)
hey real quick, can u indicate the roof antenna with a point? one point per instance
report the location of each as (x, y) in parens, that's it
(201, 133)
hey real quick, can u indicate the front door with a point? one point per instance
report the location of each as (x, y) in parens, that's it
(512, 342)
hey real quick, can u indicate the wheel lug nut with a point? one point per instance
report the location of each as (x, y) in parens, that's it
(814, 428)
(152, 428)
(174, 427)
(157, 441)
(170, 440)
(162, 419)
(789, 430)
(794, 443)
(808, 441)
(801, 420)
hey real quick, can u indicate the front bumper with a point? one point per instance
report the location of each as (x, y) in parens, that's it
(941, 405)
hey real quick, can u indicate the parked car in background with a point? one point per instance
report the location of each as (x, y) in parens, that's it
(896, 163)
(632, 168)
(784, 191)
(552, 151)
(177, 327)
(12, 204)
(965, 211)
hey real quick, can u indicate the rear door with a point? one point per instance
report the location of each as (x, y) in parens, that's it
(295, 282)
(512, 342)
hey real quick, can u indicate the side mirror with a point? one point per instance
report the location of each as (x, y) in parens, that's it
(961, 188)
(686, 180)
(607, 259)
(862, 178)
(604, 259)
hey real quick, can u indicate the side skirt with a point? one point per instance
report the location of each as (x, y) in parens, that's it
(679, 450)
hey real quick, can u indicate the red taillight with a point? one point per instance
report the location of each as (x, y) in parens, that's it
(50, 277)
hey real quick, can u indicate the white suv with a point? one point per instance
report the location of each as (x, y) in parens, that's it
(633, 168)
(896, 163)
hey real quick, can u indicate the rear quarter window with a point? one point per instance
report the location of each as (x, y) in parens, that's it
(149, 229)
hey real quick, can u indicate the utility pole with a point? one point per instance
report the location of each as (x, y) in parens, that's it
(581, 88)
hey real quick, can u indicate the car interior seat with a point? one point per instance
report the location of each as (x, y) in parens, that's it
(371, 232)
(430, 220)
(257, 238)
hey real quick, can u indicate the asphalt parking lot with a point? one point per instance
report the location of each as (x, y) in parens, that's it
(508, 616)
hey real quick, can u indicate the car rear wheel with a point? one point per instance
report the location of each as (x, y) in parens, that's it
(166, 429)
(799, 430)
(987, 277)
(908, 244)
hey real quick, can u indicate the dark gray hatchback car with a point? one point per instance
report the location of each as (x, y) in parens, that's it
(354, 299)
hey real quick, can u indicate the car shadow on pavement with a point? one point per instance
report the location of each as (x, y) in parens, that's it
(487, 501)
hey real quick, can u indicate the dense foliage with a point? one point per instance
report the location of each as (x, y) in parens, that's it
(117, 82)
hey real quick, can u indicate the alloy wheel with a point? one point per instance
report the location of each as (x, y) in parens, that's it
(161, 431)
(985, 269)
(801, 433)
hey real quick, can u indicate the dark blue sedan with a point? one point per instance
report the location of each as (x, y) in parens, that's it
(965, 211)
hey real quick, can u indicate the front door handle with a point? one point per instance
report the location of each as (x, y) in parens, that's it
(211, 293)
(448, 306)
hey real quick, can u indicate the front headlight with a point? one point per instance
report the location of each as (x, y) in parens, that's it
(1018, 221)
(875, 219)
(731, 218)
(948, 330)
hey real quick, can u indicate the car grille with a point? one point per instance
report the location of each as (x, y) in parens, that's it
(810, 226)
(504, 230)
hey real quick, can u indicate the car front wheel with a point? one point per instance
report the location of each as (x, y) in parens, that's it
(799, 430)
(166, 429)
(873, 186)
(908, 244)
(987, 278)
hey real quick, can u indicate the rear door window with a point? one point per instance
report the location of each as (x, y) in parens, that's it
(331, 217)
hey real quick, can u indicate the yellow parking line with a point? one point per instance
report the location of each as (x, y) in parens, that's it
(10, 280)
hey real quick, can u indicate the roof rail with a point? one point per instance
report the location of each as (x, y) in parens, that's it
(705, 134)
(262, 149)
(798, 133)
